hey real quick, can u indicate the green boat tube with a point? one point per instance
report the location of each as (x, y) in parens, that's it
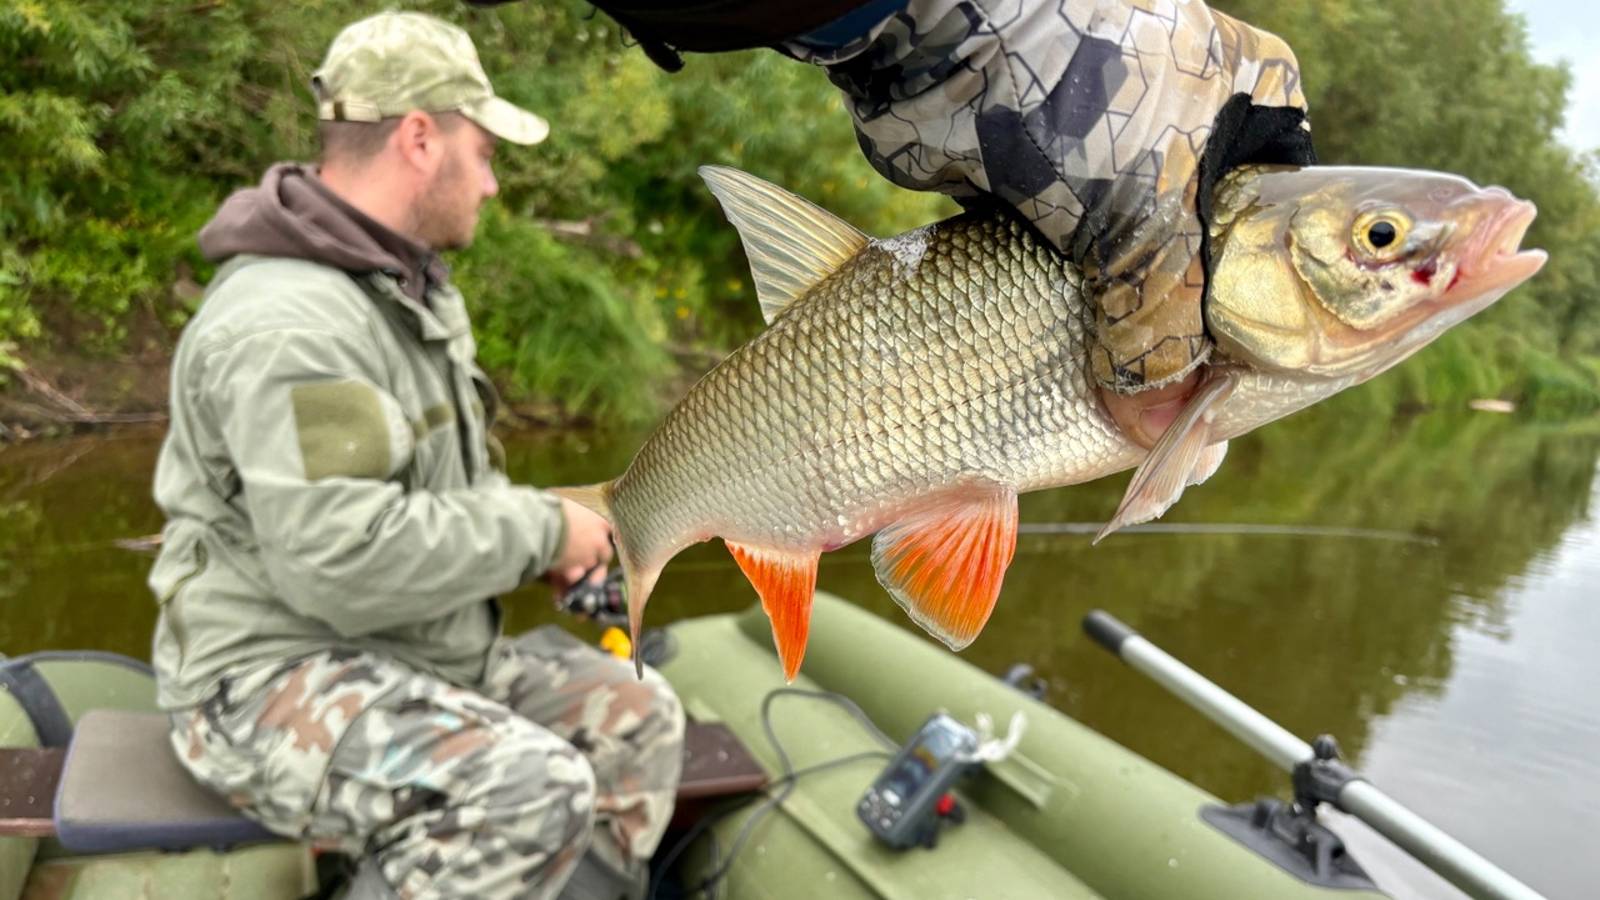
(1068, 814)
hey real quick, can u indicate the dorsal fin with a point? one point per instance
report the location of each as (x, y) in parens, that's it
(792, 243)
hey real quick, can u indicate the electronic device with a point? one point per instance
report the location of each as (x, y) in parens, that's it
(907, 802)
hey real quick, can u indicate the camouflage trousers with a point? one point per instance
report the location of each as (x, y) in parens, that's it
(489, 792)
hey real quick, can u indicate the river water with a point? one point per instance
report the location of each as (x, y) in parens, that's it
(1428, 592)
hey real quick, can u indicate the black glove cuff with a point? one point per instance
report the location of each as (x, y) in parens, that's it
(1246, 134)
(667, 28)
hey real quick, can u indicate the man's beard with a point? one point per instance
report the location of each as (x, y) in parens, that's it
(446, 214)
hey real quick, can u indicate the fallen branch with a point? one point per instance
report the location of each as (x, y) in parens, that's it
(48, 391)
(50, 416)
(64, 410)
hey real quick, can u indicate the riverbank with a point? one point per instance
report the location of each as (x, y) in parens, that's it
(61, 395)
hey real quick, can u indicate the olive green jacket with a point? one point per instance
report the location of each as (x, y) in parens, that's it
(327, 482)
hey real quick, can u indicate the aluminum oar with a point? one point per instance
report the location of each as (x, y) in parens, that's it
(1348, 791)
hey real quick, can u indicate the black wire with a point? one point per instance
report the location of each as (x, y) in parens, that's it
(707, 822)
(790, 776)
(688, 839)
(716, 852)
(786, 784)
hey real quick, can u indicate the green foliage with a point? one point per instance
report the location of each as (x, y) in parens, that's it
(541, 333)
(125, 123)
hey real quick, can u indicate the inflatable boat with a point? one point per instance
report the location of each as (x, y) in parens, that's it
(809, 790)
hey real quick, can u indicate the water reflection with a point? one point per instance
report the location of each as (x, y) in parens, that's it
(63, 583)
(1353, 635)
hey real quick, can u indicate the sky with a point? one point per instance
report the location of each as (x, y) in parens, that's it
(1570, 30)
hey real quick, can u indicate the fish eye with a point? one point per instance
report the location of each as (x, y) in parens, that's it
(1382, 234)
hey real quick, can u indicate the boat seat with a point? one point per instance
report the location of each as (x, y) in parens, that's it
(123, 789)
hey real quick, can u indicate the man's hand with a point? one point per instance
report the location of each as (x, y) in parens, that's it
(587, 546)
(1103, 123)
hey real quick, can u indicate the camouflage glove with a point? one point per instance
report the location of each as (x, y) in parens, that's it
(1102, 123)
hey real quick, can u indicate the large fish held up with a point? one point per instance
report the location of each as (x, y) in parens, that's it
(911, 388)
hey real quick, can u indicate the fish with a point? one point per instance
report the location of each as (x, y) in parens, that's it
(910, 388)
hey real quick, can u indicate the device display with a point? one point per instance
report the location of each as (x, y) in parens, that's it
(901, 806)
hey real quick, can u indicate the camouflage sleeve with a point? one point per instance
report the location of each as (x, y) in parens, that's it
(317, 443)
(1088, 117)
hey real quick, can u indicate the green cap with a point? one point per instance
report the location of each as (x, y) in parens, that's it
(396, 62)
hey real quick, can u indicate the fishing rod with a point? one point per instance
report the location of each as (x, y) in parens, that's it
(1231, 528)
(151, 542)
(1318, 775)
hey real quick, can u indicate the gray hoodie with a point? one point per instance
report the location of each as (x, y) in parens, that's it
(293, 214)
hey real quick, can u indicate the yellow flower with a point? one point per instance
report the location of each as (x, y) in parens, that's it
(683, 311)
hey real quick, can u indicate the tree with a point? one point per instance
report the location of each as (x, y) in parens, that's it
(605, 275)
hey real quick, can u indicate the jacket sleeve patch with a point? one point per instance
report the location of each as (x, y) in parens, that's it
(438, 416)
(345, 431)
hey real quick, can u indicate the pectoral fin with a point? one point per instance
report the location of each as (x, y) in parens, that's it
(1209, 462)
(944, 563)
(786, 581)
(1184, 455)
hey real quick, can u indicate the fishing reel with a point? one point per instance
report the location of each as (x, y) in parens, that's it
(603, 601)
(606, 602)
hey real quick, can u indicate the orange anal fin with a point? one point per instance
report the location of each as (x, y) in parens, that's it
(786, 581)
(944, 563)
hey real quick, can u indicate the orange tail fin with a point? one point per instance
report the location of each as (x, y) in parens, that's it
(786, 581)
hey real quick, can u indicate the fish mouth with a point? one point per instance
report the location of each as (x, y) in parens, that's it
(1336, 313)
(1492, 262)
(1492, 258)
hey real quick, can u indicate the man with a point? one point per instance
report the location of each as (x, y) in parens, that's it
(328, 645)
(1101, 123)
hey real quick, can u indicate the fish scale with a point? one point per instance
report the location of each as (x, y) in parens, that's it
(794, 425)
